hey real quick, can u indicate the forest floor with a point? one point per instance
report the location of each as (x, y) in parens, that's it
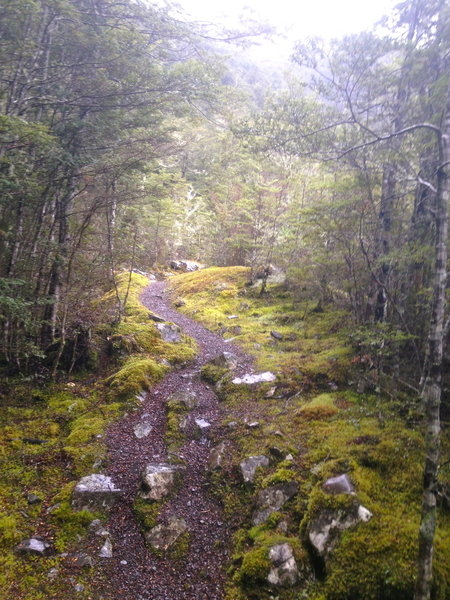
(135, 572)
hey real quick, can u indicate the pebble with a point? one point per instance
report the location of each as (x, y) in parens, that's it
(123, 562)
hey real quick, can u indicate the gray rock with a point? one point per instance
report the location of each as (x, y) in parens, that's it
(179, 303)
(226, 360)
(272, 499)
(162, 537)
(217, 457)
(284, 571)
(233, 317)
(53, 574)
(95, 491)
(253, 425)
(79, 560)
(276, 335)
(142, 430)
(326, 526)
(34, 545)
(106, 551)
(169, 332)
(156, 318)
(97, 527)
(339, 485)
(255, 378)
(249, 466)
(202, 428)
(33, 499)
(183, 399)
(159, 480)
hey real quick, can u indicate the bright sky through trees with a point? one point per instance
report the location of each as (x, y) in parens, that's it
(294, 19)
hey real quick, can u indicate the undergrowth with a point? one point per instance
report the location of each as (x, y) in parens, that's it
(313, 413)
(54, 434)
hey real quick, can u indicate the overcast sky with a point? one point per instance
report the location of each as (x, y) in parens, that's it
(296, 19)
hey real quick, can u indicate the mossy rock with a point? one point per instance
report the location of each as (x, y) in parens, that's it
(146, 513)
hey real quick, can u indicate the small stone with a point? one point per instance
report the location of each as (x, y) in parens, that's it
(202, 427)
(79, 560)
(53, 574)
(106, 551)
(279, 433)
(289, 457)
(232, 425)
(249, 466)
(255, 378)
(276, 452)
(183, 399)
(123, 562)
(339, 485)
(217, 457)
(276, 335)
(79, 587)
(35, 545)
(284, 571)
(142, 430)
(158, 480)
(226, 360)
(94, 491)
(162, 537)
(179, 303)
(233, 317)
(271, 499)
(270, 393)
(33, 499)
(156, 318)
(169, 332)
(253, 425)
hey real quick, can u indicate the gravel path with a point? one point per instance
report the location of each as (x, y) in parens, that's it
(135, 573)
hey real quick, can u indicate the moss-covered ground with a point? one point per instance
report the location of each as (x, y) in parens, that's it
(52, 434)
(314, 413)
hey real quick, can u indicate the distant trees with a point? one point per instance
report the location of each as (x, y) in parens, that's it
(86, 89)
(381, 107)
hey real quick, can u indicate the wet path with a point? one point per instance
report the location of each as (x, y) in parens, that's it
(134, 572)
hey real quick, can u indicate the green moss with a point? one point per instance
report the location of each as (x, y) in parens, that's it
(72, 524)
(212, 373)
(146, 513)
(136, 374)
(8, 529)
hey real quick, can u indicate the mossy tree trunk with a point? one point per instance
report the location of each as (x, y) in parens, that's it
(432, 388)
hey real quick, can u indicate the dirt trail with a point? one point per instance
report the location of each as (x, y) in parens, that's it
(134, 572)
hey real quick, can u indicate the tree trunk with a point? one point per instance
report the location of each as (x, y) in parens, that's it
(431, 394)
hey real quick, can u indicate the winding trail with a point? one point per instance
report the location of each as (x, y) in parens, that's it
(134, 572)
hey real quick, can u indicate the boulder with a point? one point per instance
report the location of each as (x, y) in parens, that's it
(162, 537)
(217, 457)
(340, 484)
(169, 332)
(94, 492)
(284, 570)
(159, 480)
(183, 399)
(34, 545)
(272, 499)
(250, 379)
(142, 430)
(324, 529)
(226, 360)
(249, 466)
